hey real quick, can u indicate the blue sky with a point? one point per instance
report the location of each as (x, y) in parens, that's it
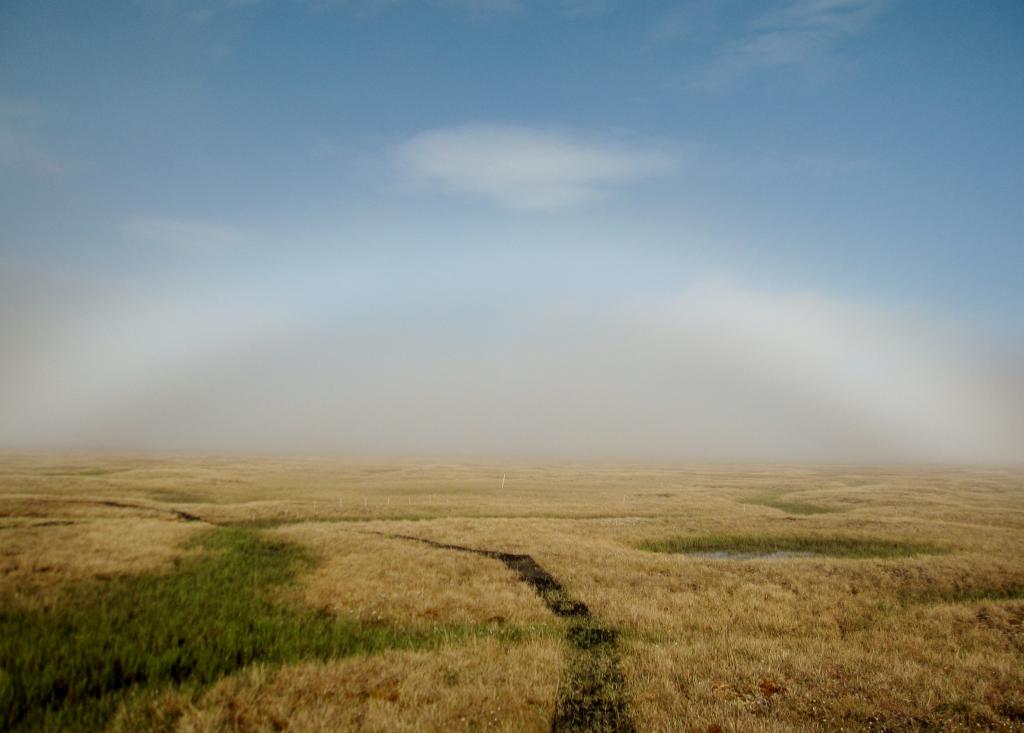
(677, 230)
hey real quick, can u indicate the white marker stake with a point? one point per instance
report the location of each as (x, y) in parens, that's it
(503, 481)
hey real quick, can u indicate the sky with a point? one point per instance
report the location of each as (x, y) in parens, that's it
(582, 229)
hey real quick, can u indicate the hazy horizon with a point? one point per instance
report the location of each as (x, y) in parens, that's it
(683, 232)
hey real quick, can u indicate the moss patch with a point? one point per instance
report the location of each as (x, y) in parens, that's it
(826, 545)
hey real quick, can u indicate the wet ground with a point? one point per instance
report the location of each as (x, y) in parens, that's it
(776, 555)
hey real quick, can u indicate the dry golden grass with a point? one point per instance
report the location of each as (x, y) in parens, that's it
(37, 555)
(929, 641)
(480, 685)
(375, 579)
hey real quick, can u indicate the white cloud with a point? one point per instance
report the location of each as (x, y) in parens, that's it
(794, 33)
(186, 234)
(526, 168)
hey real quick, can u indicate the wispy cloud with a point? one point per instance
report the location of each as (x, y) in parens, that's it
(480, 6)
(527, 168)
(203, 11)
(372, 7)
(794, 33)
(207, 10)
(587, 8)
(681, 21)
(19, 144)
(184, 234)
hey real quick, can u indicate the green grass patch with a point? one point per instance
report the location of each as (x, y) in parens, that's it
(70, 665)
(776, 501)
(828, 545)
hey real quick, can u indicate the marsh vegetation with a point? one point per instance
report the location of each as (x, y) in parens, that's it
(789, 545)
(148, 594)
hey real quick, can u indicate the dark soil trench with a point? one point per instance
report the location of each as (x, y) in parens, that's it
(591, 693)
(184, 516)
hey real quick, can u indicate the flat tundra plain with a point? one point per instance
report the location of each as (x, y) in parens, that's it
(142, 593)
